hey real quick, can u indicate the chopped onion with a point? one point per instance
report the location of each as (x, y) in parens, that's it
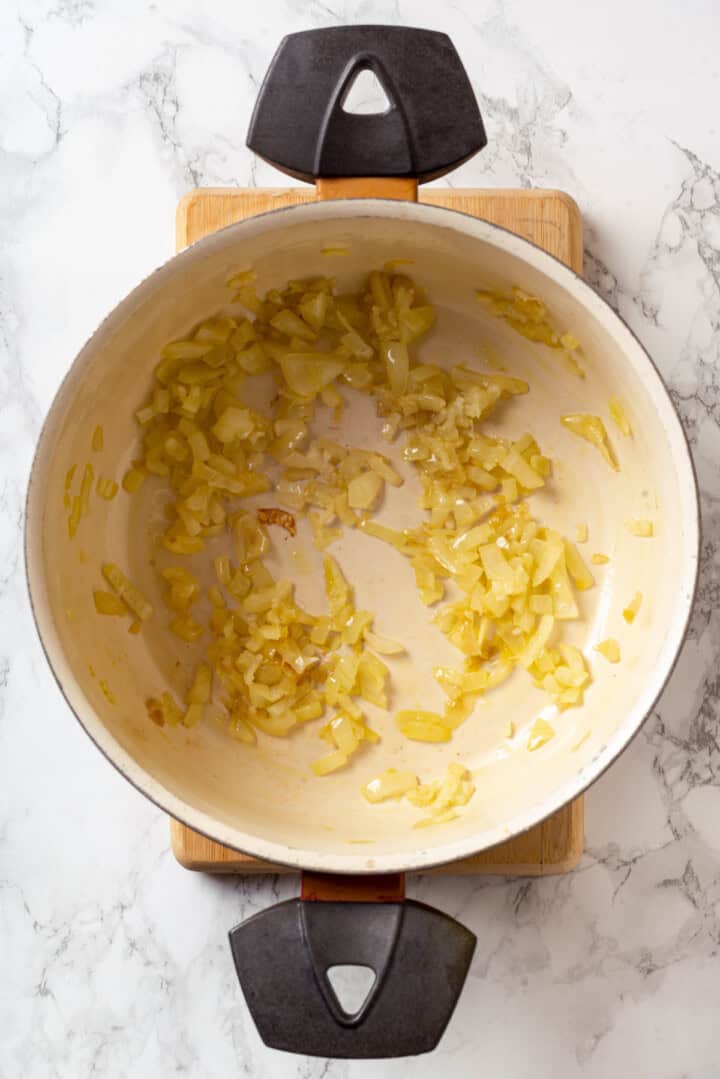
(106, 488)
(364, 489)
(329, 763)
(422, 726)
(127, 591)
(307, 374)
(193, 715)
(618, 414)
(108, 603)
(199, 692)
(577, 569)
(540, 734)
(442, 796)
(537, 642)
(86, 488)
(383, 645)
(133, 480)
(610, 649)
(630, 612)
(234, 424)
(187, 629)
(592, 429)
(640, 528)
(529, 317)
(272, 664)
(74, 517)
(389, 784)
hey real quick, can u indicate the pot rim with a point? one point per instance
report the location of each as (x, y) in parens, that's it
(359, 863)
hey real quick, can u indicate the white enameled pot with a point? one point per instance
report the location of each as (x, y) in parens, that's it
(264, 800)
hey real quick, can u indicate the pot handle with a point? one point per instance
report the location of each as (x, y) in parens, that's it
(419, 956)
(432, 125)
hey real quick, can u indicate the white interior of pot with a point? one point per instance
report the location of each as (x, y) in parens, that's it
(264, 799)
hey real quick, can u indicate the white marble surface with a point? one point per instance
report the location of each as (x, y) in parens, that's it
(113, 961)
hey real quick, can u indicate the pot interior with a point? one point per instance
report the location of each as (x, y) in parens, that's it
(264, 799)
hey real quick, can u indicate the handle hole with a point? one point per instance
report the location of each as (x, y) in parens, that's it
(366, 96)
(351, 984)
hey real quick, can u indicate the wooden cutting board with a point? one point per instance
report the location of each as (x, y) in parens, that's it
(551, 220)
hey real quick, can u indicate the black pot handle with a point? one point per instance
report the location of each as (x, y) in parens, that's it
(419, 955)
(433, 123)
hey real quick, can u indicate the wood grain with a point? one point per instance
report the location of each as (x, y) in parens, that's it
(555, 846)
(550, 219)
(368, 187)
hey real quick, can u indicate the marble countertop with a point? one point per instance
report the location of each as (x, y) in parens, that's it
(113, 960)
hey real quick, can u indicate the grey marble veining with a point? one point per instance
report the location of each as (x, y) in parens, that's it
(113, 961)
